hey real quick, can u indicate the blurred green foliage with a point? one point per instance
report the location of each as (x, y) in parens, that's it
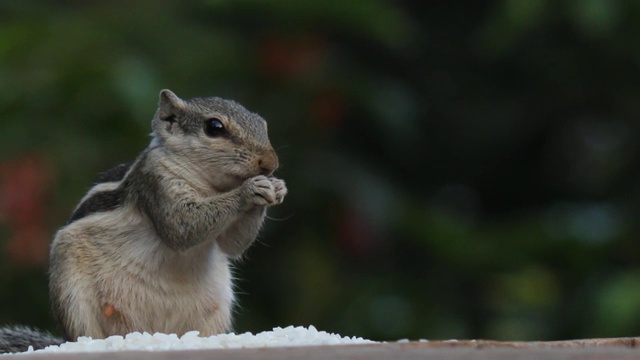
(456, 170)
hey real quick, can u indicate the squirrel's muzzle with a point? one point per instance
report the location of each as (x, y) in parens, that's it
(268, 162)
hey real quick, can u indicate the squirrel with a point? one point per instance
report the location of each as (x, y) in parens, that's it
(149, 246)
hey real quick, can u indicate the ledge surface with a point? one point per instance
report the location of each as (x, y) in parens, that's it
(618, 348)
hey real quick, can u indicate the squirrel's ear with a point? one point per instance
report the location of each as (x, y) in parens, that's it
(169, 105)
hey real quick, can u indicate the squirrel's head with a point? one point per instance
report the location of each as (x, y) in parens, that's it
(215, 138)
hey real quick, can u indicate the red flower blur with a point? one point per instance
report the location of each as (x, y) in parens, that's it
(327, 110)
(23, 188)
(287, 58)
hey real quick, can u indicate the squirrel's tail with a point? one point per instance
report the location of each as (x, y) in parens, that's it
(19, 338)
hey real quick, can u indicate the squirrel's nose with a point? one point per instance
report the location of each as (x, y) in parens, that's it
(268, 163)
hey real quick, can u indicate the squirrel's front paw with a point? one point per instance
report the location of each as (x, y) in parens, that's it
(260, 191)
(264, 191)
(280, 189)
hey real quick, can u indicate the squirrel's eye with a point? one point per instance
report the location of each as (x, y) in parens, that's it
(213, 127)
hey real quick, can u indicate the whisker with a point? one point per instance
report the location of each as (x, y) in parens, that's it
(281, 219)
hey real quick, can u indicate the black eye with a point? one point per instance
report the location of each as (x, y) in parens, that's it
(213, 127)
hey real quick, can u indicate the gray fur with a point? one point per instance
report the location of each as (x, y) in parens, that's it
(154, 239)
(19, 338)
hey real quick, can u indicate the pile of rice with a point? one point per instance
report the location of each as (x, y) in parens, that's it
(289, 336)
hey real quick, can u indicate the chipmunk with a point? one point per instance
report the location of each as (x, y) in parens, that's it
(149, 246)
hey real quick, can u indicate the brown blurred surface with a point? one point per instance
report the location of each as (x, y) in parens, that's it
(618, 348)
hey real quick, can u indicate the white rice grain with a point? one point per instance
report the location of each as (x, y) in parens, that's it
(289, 336)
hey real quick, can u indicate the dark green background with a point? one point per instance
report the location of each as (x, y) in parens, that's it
(457, 169)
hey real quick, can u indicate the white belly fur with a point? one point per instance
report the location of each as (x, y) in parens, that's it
(151, 287)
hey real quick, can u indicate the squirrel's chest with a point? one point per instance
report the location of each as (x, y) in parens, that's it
(156, 291)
